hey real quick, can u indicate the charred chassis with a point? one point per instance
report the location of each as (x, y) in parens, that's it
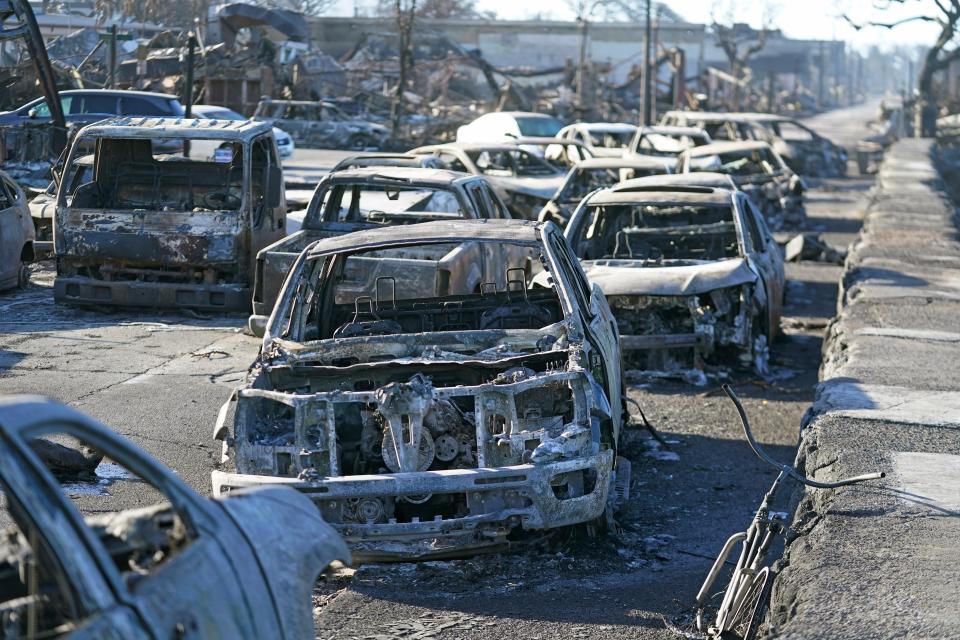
(434, 426)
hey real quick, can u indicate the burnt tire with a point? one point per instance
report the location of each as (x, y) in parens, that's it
(23, 276)
(358, 142)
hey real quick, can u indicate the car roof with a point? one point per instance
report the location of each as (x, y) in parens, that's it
(673, 130)
(657, 194)
(629, 162)
(410, 175)
(709, 116)
(536, 140)
(694, 178)
(726, 147)
(520, 231)
(152, 127)
(211, 107)
(606, 126)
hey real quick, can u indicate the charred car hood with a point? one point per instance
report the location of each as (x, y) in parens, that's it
(630, 277)
(545, 187)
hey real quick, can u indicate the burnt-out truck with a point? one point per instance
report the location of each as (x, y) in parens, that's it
(172, 214)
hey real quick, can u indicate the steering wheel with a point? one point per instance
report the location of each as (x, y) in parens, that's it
(219, 200)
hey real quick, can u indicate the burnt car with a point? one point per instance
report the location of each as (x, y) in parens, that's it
(525, 181)
(804, 150)
(43, 205)
(597, 173)
(603, 139)
(692, 274)
(154, 228)
(719, 125)
(427, 416)
(357, 199)
(176, 566)
(759, 171)
(561, 153)
(667, 141)
(321, 124)
(16, 235)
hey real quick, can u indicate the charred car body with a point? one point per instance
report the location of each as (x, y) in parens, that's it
(161, 229)
(429, 424)
(369, 198)
(759, 171)
(182, 566)
(804, 150)
(525, 181)
(16, 235)
(719, 125)
(321, 124)
(597, 173)
(666, 141)
(560, 152)
(691, 273)
(603, 139)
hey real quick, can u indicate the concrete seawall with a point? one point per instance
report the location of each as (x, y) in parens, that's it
(882, 559)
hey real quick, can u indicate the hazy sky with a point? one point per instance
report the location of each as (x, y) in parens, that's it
(798, 18)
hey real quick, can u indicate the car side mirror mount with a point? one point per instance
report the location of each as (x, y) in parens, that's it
(274, 186)
(258, 325)
(32, 113)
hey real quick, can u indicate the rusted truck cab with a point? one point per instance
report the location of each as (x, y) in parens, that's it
(172, 214)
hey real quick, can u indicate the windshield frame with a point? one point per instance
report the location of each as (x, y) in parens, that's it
(77, 153)
(320, 265)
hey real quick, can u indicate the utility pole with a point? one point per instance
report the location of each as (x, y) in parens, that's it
(582, 65)
(188, 89)
(647, 84)
(113, 57)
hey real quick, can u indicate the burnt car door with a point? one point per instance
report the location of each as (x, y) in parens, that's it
(764, 256)
(50, 583)
(599, 325)
(12, 236)
(182, 564)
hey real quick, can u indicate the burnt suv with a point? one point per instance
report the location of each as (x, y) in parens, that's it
(424, 423)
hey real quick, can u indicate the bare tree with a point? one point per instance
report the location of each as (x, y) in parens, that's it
(739, 43)
(170, 13)
(943, 51)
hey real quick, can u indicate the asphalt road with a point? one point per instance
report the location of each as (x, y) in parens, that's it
(159, 379)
